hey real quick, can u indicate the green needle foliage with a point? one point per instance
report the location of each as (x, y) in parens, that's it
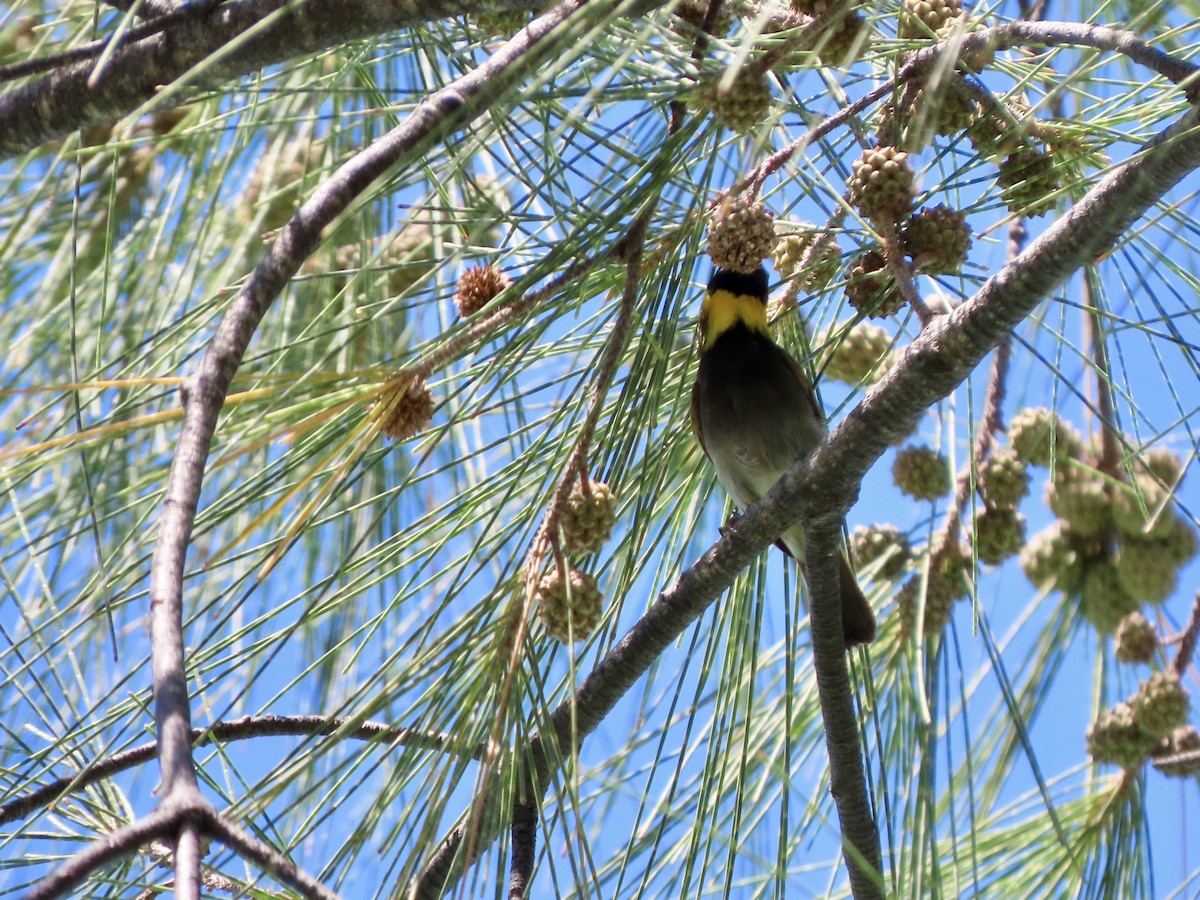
(334, 572)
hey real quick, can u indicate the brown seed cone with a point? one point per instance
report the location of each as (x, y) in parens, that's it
(406, 405)
(921, 472)
(739, 105)
(1161, 704)
(1116, 738)
(477, 287)
(1184, 739)
(1028, 182)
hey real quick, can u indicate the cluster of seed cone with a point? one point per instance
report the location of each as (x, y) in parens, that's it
(1118, 542)
(570, 605)
(1150, 724)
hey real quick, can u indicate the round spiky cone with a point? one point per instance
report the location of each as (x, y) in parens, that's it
(923, 18)
(693, 12)
(1183, 740)
(939, 602)
(881, 542)
(568, 607)
(1102, 599)
(871, 289)
(406, 404)
(1136, 639)
(843, 40)
(741, 234)
(921, 472)
(1140, 510)
(1146, 570)
(1160, 705)
(739, 104)
(791, 249)
(944, 109)
(1116, 738)
(997, 131)
(947, 582)
(1053, 557)
(1038, 435)
(859, 355)
(955, 30)
(586, 519)
(937, 239)
(1080, 496)
(999, 534)
(882, 185)
(1003, 480)
(1028, 182)
(477, 287)
(1164, 464)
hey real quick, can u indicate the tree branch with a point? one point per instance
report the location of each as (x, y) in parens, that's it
(229, 41)
(1187, 642)
(161, 824)
(524, 847)
(241, 729)
(192, 821)
(146, 8)
(267, 858)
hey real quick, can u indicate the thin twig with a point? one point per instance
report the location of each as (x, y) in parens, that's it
(241, 729)
(267, 858)
(902, 274)
(1109, 462)
(187, 861)
(1187, 642)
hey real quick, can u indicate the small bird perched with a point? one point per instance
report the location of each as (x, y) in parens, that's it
(754, 414)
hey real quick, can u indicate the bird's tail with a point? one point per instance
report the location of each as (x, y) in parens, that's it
(858, 619)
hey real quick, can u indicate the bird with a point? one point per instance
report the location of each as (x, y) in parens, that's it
(754, 414)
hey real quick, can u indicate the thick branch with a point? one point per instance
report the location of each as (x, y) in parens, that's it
(161, 824)
(232, 40)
